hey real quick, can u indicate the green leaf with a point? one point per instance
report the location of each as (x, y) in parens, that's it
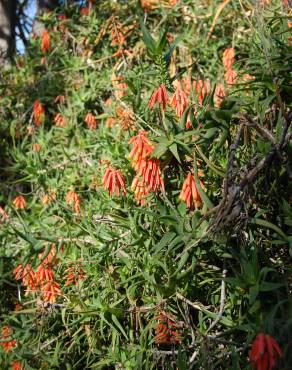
(266, 286)
(173, 149)
(160, 149)
(165, 240)
(163, 41)
(269, 225)
(148, 39)
(203, 195)
(173, 45)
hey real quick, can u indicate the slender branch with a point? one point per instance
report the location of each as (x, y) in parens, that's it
(222, 302)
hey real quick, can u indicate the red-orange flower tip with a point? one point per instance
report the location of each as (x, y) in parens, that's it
(219, 95)
(90, 121)
(19, 202)
(166, 329)
(179, 100)
(38, 113)
(113, 181)
(189, 193)
(230, 77)
(202, 89)
(264, 352)
(36, 147)
(228, 58)
(16, 365)
(60, 121)
(60, 99)
(159, 96)
(46, 41)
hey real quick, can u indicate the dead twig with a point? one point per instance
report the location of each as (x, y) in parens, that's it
(217, 15)
(222, 302)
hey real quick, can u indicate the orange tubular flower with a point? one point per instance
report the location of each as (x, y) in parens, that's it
(18, 272)
(179, 100)
(110, 122)
(190, 193)
(264, 352)
(50, 290)
(228, 58)
(219, 95)
(74, 274)
(3, 215)
(19, 202)
(142, 149)
(36, 147)
(121, 90)
(48, 198)
(202, 88)
(30, 130)
(117, 34)
(60, 99)
(73, 198)
(159, 96)
(113, 181)
(90, 121)
(126, 118)
(140, 190)
(44, 274)
(6, 331)
(27, 276)
(60, 120)
(17, 306)
(230, 77)
(38, 113)
(166, 329)
(46, 41)
(45, 199)
(51, 258)
(188, 122)
(7, 344)
(16, 365)
(151, 174)
(85, 11)
(119, 86)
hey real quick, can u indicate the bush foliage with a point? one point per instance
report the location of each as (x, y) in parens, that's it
(183, 267)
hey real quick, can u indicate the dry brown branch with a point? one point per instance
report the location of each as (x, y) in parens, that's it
(217, 15)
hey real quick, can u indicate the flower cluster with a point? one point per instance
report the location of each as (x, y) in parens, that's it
(16, 365)
(189, 193)
(126, 118)
(202, 89)
(6, 342)
(19, 202)
(264, 352)
(147, 168)
(179, 100)
(42, 279)
(90, 121)
(38, 113)
(166, 329)
(159, 96)
(219, 95)
(49, 197)
(74, 274)
(228, 61)
(72, 198)
(113, 181)
(59, 120)
(120, 86)
(46, 41)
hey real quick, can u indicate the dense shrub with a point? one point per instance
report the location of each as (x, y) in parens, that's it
(146, 189)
